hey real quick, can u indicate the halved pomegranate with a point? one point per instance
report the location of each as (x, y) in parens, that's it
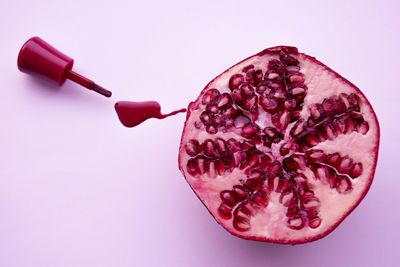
(279, 147)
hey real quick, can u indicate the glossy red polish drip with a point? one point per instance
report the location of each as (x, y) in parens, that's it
(132, 114)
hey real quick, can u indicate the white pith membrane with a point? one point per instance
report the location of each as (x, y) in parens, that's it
(270, 222)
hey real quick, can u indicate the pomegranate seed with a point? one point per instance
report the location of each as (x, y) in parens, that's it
(246, 90)
(205, 118)
(248, 68)
(241, 121)
(272, 76)
(209, 96)
(296, 223)
(289, 164)
(356, 170)
(315, 156)
(285, 149)
(235, 81)
(270, 105)
(298, 128)
(345, 165)
(334, 159)
(261, 89)
(228, 198)
(260, 200)
(192, 147)
(191, 167)
(276, 66)
(289, 60)
(225, 100)
(239, 192)
(211, 129)
(286, 197)
(315, 222)
(257, 77)
(328, 105)
(343, 184)
(225, 211)
(353, 100)
(208, 148)
(242, 224)
(363, 127)
(250, 103)
(249, 130)
(296, 78)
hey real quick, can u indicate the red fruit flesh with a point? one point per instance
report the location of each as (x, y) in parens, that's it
(279, 147)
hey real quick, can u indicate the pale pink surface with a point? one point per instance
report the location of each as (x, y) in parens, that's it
(79, 189)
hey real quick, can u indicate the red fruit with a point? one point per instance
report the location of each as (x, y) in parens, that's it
(295, 154)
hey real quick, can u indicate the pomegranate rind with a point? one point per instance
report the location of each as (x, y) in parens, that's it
(286, 239)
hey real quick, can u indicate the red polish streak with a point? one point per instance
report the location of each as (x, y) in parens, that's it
(132, 114)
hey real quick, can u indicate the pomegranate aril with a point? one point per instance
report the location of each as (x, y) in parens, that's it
(283, 185)
(276, 66)
(209, 96)
(296, 78)
(246, 90)
(315, 156)
(296, 223)
(298, 128)
(311, 203)
(241, 121)
(211, 129)
(289, 164)
(260, 200)
(363, 127)
(250, 103)
(334, 159)
(208, 148)
(257, 77)
(271, 75)
(288, 59)
(225, 211)
(248, 68)
(311, 139)
(270, 105)
(356, 170)
(285, 149)
(353, 100)
(286, 197)
(314, 222)
(329, 106)
(262, 88)
(343, 184)
(227, 198)
(205, 117)
(192, 147)
(345, 165)
(221, 146)
(224, 100)
(235, 81)
(192, 167)
(249, 130)
(233, 145)
(316, 112)
(239, 192)
(241, 224)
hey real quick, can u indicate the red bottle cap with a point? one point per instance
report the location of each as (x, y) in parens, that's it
(38, 57)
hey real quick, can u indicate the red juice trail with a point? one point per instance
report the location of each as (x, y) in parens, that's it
(132, 114)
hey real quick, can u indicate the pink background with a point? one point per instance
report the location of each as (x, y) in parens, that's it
(79, 189)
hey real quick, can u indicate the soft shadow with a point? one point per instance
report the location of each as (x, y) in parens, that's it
(69, 91)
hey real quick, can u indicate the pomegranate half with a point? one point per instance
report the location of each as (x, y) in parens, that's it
(279, 147)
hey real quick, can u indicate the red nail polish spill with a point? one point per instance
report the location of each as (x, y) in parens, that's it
(134, 113)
